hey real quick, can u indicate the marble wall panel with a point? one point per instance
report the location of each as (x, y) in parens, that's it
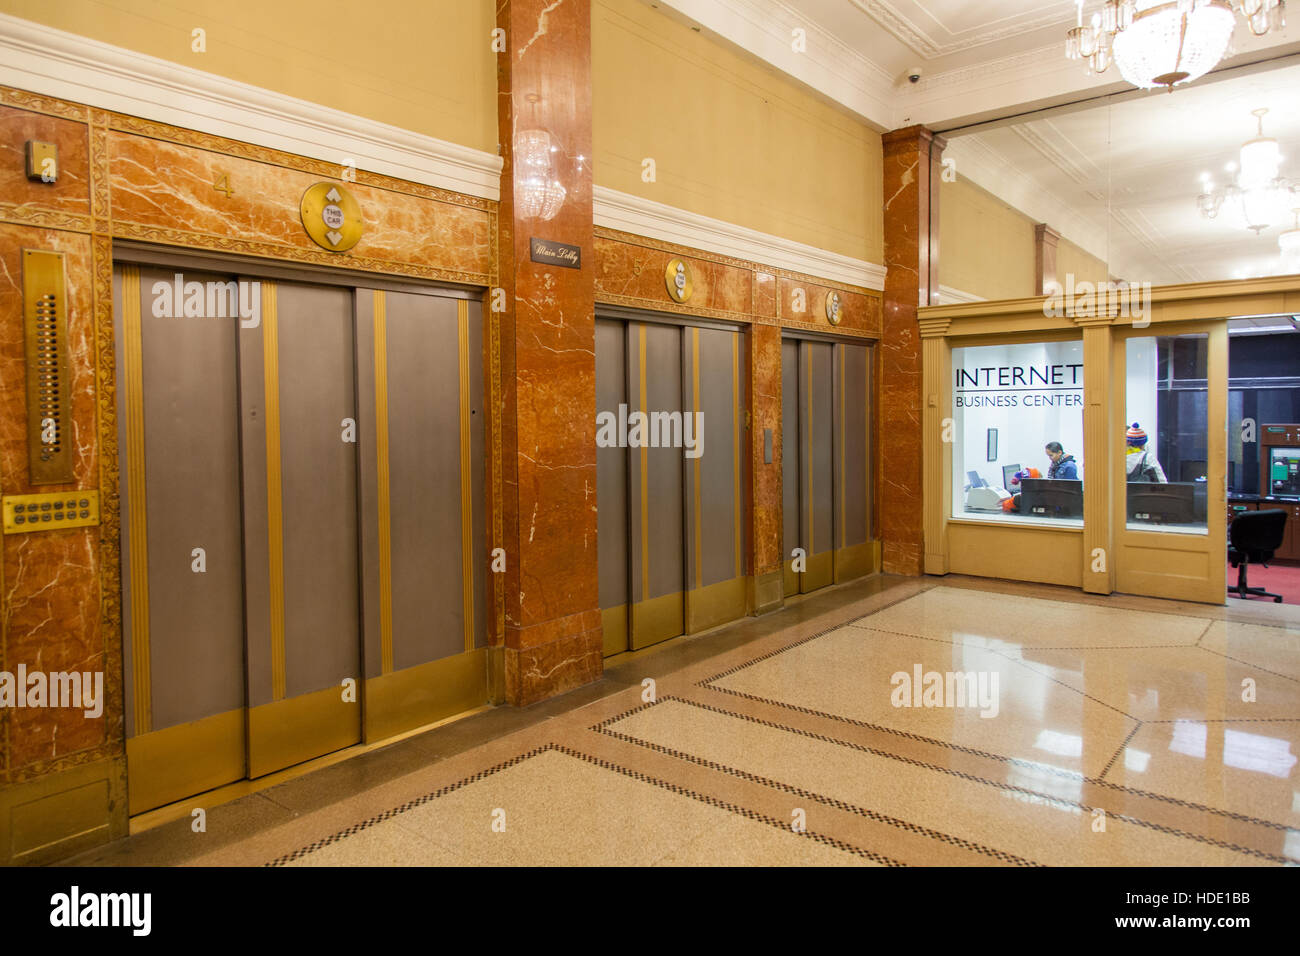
(164, 192)
(51, 584)
(25, 200)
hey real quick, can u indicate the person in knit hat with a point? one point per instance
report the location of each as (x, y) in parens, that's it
(1141, 463)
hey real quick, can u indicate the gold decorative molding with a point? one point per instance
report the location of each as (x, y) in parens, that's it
(632, 239)
(34, 102)
(268, 250)
(24, 214)
(274, 487)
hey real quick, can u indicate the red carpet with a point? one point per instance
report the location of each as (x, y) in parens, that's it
(1283, 579)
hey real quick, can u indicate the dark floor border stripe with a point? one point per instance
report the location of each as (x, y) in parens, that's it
(409, 805)
(753, 815)
(1014, 761)
(749, 814)
(877, 816)
(1071, 804)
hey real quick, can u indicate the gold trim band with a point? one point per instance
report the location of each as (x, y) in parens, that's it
(695, 410)
(645, 479)
(133, 371)
(274, 502)
(382, 477)
(466, 485)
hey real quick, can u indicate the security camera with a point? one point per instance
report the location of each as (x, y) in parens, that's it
(914, 74)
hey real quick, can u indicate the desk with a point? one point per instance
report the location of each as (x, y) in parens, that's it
(1290, 549)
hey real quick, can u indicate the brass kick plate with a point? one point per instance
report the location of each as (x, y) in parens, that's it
(50, 511)
(45, 334)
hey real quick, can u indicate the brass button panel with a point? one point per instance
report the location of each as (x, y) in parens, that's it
(50, 511)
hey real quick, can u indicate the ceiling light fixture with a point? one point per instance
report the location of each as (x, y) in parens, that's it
(1259, 193)
(1164, 43)
(540, 194)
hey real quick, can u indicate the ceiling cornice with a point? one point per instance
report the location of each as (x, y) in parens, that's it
(913, 36)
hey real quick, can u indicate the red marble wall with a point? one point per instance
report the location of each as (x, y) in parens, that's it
(552, 639)
(911, 171)
(49, 581)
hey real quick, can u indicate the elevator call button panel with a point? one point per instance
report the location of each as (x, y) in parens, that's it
(50, 511)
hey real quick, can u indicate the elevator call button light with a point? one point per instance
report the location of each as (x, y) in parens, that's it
(50, 511)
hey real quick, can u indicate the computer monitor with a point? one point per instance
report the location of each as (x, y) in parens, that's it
(1051, 497)
(1192, 469)
(1170, 503)
(974, 480)
(1008, 472)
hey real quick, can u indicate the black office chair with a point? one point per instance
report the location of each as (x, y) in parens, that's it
(1253, 537)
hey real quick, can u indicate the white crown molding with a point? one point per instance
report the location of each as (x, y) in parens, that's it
(51, 62)
(655, 220)
(764, 28)
(889, 17)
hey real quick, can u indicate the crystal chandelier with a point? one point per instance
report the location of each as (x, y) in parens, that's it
(1162, 43)
(539, 194)
(1260, 193)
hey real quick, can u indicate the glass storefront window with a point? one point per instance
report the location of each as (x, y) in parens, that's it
(1167, 435)
(1018, 433)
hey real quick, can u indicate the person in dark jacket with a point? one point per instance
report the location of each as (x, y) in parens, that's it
(1063, 465)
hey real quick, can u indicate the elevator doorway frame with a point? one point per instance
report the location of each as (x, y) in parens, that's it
(709, 605)
(435, 691)
(854, 561)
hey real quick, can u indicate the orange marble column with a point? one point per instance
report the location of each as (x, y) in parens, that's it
(764, 389)
(552, 639)
(911, 192)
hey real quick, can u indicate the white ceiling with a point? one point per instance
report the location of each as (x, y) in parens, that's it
(1114, 171)
(1123, 177)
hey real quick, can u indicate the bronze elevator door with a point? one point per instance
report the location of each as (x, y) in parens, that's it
(302, 521)
(298, 435)
(825, 463)
(670, 512)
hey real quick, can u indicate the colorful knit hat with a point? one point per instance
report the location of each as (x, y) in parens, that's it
(1136, 437)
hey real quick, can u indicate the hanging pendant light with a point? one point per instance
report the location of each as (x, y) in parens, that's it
(1165, 43)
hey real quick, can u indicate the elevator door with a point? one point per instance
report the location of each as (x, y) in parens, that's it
(826, 466)
(298, 432)
(302, 514)
(670, 513)
(182, 555)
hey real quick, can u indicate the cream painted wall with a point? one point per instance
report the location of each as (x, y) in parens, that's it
(986, 248)
(731, 139)
(1085, 266)
(422, 65)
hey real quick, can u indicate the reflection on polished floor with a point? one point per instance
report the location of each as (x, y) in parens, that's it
(1127, 732)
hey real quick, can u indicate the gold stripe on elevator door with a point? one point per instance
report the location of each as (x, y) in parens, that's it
(133, 368)
(645, 470)
(812, 496)
(274, 503)
(843, 448)
(735, 438)
(382, 474)
(695, 483)
(466, 487)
